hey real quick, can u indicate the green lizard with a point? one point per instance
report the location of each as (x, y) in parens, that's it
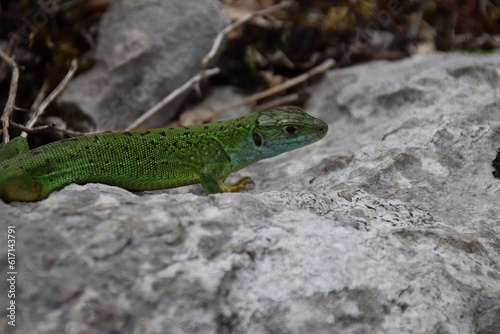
(159, 158)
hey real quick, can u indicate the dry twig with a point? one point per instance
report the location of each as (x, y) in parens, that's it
(55, 93)
(211, 55)
(281, 87)
(194, 80)
(11, 100)
(40, 128)
(40, 96)
(289, 99)
(221, 36)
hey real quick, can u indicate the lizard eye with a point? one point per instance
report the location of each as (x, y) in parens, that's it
(257, 139)
(290, 129)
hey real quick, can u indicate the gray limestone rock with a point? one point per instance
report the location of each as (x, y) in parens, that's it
(145, 50)
(388, 225)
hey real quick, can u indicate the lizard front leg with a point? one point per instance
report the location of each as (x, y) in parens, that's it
(212, 184)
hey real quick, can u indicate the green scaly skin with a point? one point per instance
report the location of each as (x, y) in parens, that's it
(160, 158)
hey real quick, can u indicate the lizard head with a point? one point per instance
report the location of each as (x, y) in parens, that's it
(285, 129)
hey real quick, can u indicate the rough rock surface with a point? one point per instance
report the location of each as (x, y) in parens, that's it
(388, 225)
(145, 50)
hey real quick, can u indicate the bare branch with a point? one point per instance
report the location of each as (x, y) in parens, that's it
(221, 36)
(52, 96)
(53, 126)
(11, 100)
(323, 67)
(280, 101)
(40, 96)
(194, 80)
(216, 46)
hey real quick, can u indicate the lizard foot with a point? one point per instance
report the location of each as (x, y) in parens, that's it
(225, 187)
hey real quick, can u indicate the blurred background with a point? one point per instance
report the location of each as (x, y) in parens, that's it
(263, 53)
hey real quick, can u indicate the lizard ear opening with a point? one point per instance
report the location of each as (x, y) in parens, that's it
(257, 139)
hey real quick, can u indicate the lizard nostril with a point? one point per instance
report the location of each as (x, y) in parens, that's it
(321, 126)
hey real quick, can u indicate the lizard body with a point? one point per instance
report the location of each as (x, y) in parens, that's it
(160, 158)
